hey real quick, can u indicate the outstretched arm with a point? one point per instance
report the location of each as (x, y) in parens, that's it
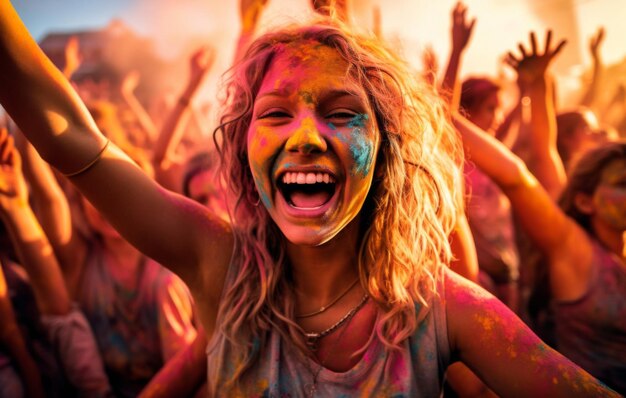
(532, 76)
(594, 49)
(505, 353)
(183, 374)
(174, 231)
(461, 33)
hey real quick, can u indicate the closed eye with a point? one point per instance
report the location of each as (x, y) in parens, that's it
(273, 113)
(341, 116)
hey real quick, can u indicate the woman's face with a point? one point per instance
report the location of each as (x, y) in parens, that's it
(312, 143)
(609, 198)
(487, 114)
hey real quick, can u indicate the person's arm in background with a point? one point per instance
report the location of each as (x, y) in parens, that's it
(31, 244)
(173, 128)
(249, 13)
(591, 93)
(565, 244)
(73, 58)
(53, 213)
(127, 92)
(508, 131)
(377, 23)
(12, 343)
(184, 375)
(534, 81)
(461, 33)
(67, 328)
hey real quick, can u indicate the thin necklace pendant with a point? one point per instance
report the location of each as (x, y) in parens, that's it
(332, 302)
(311, 340)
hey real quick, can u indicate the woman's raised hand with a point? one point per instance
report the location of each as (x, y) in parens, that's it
(532, 63)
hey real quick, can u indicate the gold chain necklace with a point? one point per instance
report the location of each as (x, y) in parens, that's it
(311, 389)
(327, 306)
(312, 338)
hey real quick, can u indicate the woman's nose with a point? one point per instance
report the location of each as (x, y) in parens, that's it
(306, 139)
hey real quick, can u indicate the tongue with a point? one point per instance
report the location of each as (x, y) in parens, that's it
(309, 200)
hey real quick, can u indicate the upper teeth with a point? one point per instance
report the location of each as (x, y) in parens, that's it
(307, 178)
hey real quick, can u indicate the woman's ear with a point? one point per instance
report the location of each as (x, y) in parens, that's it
(584, 203)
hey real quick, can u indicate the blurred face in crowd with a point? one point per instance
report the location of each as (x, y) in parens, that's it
(609, 198)
(487, 114)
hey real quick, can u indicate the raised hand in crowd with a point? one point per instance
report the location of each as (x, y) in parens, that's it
(164, 152)
(591, 93)
(460, 34)
(73, 58)
(250, 12)
(534, 82)
(129, 84)
(582, 238)
(66, 327)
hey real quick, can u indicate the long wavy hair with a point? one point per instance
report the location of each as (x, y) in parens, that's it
(405, 221)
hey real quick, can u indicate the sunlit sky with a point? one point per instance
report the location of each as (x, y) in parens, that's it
(412, 24)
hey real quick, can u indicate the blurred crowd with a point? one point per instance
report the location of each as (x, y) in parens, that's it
(84, 313)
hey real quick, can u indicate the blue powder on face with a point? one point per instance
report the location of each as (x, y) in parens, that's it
(361, 148)
(362, 152)
(332, 126)
(358, 121)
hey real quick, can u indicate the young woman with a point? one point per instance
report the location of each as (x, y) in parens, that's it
(332, 277)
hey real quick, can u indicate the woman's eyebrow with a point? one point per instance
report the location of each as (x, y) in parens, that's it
(272, 93)
(352, 95)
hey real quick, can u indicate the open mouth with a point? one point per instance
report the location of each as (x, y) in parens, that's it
(307, 190)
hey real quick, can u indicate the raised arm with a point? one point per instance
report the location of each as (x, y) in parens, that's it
(52, 208)
(594, 49)
(175, 123)
(532, 75)
(249, 13)
(51, 294)
(127, 92)
(461, 34)
(565, 244)
(174, 231)
(31, 244)
(73, 58)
